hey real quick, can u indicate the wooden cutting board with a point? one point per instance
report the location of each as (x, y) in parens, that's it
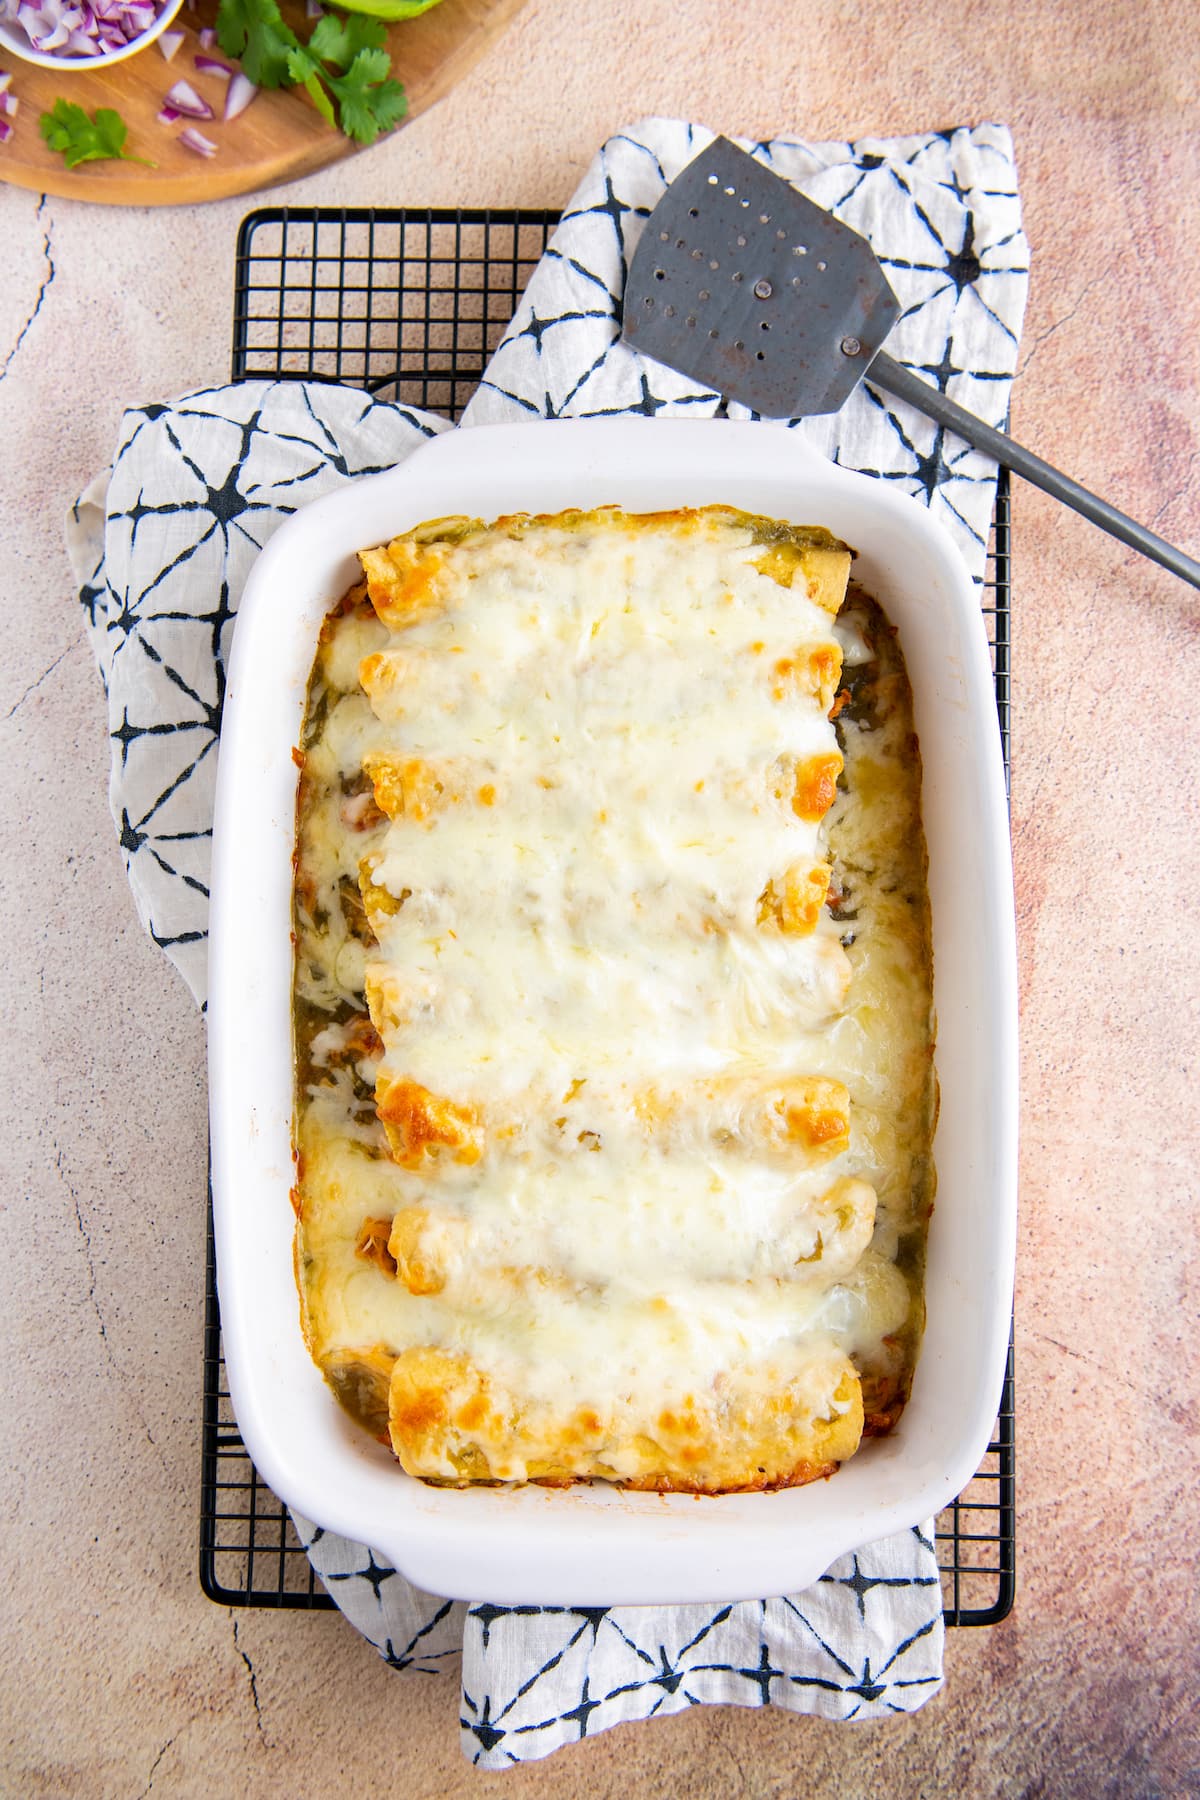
(278, 138)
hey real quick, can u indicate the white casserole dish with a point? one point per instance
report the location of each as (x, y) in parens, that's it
(592, 1545)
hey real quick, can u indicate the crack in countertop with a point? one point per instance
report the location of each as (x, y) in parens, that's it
(43, 288)
(37, 682)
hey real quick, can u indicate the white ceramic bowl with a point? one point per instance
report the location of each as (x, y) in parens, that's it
(593, 1544)
(15, 43)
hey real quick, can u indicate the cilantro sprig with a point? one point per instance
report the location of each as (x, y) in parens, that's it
(346, 58)
(67, 129)
(344, 67)
(254, 32)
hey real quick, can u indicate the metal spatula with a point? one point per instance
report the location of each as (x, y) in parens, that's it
(746, 286)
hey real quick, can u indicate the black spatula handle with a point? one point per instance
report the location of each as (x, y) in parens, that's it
(890, 375)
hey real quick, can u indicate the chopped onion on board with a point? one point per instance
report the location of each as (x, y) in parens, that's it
(196, 140)
(184, 98)
(241, 92)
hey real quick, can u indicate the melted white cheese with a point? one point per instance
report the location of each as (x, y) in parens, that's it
(580, 930)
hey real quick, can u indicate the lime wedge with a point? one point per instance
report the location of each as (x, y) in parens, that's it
(390, 11)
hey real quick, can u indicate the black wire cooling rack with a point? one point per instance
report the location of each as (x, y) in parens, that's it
(412, 303)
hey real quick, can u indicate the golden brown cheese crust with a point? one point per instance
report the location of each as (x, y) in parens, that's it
(444, 1411)
(785, 1319)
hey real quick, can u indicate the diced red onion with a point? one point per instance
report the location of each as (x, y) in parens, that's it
(184, 98)
(168, 44)
(45, 31)
(241, 92)
(6, 131)
(81, 28)
(168, 115)
(313, 9)
(196, 140)
(5, 80)
(207, 37)
(212, 65)
(10, 104)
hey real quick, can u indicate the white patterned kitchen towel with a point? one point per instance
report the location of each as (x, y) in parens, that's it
(864, 1642)
(161, 545)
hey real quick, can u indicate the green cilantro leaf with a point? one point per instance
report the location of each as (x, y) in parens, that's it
(339, 39)
(368, 68)
(368, 102)
(78, 139)
(345, 61)
(254, 32)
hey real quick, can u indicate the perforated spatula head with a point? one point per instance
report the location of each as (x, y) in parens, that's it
(746, 286)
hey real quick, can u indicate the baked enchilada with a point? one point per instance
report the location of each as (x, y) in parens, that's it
(612, 1003)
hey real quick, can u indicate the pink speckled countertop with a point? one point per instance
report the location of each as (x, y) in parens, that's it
(119, 1677)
